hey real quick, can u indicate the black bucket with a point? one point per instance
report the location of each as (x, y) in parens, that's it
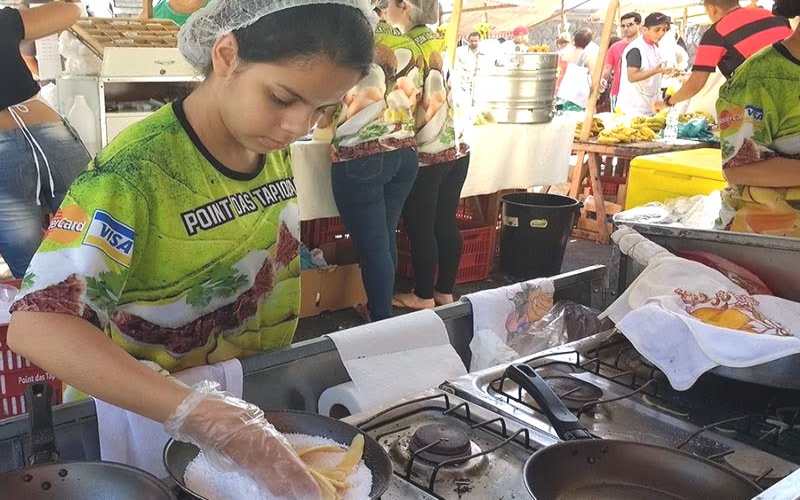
(536, 228)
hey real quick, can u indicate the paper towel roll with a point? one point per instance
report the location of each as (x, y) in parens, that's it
(340, 401)
(391, 359)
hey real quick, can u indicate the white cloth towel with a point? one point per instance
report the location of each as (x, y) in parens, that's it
(687, 318)
(128, 438)
(397, 357)
(511, 156)
(311, 165)
(510, 309)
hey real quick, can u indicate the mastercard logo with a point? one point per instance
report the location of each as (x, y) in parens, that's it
(67, 225)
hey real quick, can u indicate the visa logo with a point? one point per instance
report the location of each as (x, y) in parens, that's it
(112, 237)
(755, 113)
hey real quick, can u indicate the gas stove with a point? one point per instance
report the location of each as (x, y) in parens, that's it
(443, 447)
(617, 394)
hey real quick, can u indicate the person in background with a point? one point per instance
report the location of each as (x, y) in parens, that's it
(376, 161)
(630, 24)
(520, 41)
(583, 52)
(40, 154)
(179, 245)
(604, 99)
(430, 211)
(177, 11)
(737, 33)
(563, 42)
(464, 74)
(642, 68)
(759, 121)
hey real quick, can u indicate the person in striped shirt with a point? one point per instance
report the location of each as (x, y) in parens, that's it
(737, 33)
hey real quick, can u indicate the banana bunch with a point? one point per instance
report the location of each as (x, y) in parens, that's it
(597, 127)
(655, 123)
(622, 134)
(538, 48)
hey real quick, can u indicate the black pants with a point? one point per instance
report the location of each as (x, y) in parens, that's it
(430, 219)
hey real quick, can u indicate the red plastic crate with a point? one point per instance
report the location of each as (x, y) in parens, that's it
(320, 231)
(16, 373)
(611, 184)
(476, 256)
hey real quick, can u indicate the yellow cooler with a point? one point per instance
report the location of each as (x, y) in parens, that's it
(660, 177)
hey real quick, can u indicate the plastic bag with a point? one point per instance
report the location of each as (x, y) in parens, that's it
(566, 322)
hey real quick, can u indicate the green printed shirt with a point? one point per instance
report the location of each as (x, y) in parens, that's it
(438, 140)
(378, 114)
(759, 108)
(180, 260)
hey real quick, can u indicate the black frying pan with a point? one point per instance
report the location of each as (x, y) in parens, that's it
(177, 455)
(46, 480)
(582, 468)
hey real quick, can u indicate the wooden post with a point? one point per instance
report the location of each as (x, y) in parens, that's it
(147, 9)
(451, 37)
(684, 22)
(591, 109)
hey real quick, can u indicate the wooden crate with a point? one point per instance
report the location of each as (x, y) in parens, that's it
(588, 226)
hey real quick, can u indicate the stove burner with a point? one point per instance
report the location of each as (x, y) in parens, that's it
(756, 463)
(440, 443)
(574, 389)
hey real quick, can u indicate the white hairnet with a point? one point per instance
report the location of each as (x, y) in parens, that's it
(221, 17)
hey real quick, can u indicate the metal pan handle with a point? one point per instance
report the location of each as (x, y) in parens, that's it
(40, 417)
(566, 425)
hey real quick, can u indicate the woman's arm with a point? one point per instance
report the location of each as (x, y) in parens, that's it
(83, 356)
(777, 172)
(49, 19)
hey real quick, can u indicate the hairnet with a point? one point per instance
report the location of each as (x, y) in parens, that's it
(428, 10)
(221, 17)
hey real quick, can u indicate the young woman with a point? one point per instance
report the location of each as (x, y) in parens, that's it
(430, 211)
(759, 121)
(376, 160)
(40, 154)
(179, 244)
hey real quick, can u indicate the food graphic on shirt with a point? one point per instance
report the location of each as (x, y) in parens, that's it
(65, 294)
(371, 111)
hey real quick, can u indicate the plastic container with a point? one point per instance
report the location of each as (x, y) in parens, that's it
(82, 118)
(660, 177)
(17, 372)
(476, 255)
(536, 227)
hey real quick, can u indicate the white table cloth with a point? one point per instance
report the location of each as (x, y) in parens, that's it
(503, 156)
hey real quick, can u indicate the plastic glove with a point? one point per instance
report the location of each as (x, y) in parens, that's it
(235, 436)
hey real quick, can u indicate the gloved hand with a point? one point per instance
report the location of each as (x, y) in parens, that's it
(235, 436)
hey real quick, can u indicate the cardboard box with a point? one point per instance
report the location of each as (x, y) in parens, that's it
(336, 287)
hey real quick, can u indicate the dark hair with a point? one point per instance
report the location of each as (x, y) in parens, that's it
(614, 39)
(582, 38)
(786, 8)
(637, 18)
(337, 31)
(474, 33)
(724, 4)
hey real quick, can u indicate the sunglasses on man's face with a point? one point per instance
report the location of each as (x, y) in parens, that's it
(628, 25)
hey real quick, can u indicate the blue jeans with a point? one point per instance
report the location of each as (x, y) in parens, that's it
(20, 216)
(370, 193)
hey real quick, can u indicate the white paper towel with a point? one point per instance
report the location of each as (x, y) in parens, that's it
(394, 358)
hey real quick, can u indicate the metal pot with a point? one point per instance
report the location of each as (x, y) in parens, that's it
(582, 467)
(177, 455)
(519, 88)
(45, 479)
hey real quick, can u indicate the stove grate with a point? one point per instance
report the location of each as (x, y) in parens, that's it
(462, 411)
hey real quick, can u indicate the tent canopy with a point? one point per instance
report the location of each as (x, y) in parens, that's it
(504, 15)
